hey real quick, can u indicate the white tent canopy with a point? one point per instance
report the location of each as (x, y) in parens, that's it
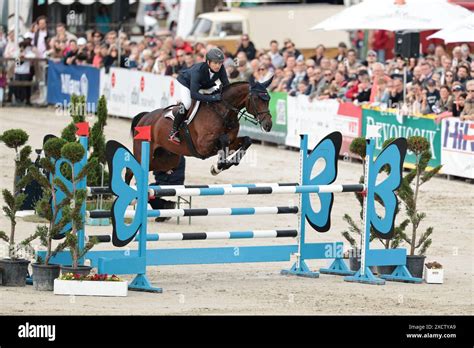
(90, 2)
(411, 15)
(457, 32)
(84, 2)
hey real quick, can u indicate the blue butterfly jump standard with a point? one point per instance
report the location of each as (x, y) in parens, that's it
(127, 261)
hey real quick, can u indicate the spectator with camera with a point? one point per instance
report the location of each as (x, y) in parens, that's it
(23, 72)
(70, 55)
(364, 89)
(382, 91)
(396, 93)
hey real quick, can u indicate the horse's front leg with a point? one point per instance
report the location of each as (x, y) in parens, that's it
(239, 148)
(223, 144)
(232, 155)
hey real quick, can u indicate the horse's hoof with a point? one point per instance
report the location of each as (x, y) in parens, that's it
(215, 170)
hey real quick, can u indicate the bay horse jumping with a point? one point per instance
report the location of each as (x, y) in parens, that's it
(213, 130)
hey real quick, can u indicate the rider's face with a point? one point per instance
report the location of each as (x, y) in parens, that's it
(215, 66)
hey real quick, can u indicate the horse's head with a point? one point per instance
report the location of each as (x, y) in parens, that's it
(257, 104)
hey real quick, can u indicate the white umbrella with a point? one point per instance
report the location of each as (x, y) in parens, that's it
(390, 15)
(457, 32)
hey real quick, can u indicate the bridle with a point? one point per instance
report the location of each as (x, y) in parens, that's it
(254, 105)
(243, 113)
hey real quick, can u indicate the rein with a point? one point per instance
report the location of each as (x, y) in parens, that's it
(241, 113)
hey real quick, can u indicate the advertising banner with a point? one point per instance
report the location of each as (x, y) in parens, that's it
(457, 147)
(130, 92)
(348, 120)
(66, 80)
(410, 126)
(318, 118)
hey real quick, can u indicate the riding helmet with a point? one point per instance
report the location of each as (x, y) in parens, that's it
(215, 55)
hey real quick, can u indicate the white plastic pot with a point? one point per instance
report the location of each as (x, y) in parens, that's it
(434, 275)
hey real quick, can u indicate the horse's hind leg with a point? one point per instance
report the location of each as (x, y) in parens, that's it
(137, 152)
(163, 160)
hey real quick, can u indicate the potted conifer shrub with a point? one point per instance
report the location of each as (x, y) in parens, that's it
(14, 268)
(354, 232)
(355, 229)
(409, 193)
(357, 147)
(78, 112)
(97, 174)
(71, 209)
(48, 207)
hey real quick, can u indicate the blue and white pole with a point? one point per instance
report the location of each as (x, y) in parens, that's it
(141, 281)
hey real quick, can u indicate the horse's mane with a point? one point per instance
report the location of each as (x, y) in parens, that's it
(233, 84)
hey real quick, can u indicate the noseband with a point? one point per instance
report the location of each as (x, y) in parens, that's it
(254, 105)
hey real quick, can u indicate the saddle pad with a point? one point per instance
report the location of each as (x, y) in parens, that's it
(169, 112)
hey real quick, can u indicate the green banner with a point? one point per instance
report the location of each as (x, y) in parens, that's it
(279, 111)
(410, 126)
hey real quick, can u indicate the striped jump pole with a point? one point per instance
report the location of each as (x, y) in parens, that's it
(159, 187)
(258, 190)
(223, 235)
(98, 190)
(237, 189)
(105, 190)
(200, 212)
(162, 237)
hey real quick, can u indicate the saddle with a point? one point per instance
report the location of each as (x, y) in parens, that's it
(190, 114)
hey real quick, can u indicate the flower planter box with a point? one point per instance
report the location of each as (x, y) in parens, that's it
(434, 275)
(90, 288)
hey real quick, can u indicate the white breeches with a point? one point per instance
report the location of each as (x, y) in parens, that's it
(185, 93)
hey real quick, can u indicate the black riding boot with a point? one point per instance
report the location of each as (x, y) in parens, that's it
(179, 116)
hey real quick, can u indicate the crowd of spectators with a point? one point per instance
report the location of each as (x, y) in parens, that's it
(439, 82)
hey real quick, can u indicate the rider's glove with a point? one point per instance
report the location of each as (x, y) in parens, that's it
(216, 98)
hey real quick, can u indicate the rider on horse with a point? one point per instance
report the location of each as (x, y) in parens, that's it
(201, 76)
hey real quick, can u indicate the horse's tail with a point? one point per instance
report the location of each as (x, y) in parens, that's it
(136, 120)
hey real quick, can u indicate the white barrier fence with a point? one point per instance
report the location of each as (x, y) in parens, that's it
(130, 92)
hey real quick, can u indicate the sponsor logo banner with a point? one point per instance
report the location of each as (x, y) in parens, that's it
(66, 80)
(457, 147)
